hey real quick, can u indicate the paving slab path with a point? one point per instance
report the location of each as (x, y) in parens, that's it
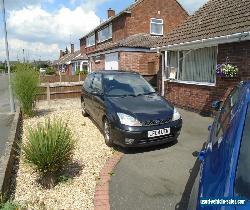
(160, 177)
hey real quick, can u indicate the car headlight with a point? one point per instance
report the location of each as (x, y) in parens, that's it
(128, 120)
(176, 115)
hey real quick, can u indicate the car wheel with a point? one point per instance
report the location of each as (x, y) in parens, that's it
(107, 133)
(84, 112)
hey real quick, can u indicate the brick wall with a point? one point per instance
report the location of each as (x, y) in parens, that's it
(199, 98)
(95, 66)
(169, 10)
(144, 63)
(139, 20)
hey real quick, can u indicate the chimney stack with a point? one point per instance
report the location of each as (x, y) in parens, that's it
(61, 53)
(111, 13)
(72, 48)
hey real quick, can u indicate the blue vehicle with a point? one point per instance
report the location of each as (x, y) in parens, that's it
(225, 161)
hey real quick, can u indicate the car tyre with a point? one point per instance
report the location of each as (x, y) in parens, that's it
(107, 133)
(84, 112)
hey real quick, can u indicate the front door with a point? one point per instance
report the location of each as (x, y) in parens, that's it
(111, 61)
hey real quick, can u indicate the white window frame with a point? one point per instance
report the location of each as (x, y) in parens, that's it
(98, 59)
(162, 24)
(87, 43)
(177, 80)
(110, 37)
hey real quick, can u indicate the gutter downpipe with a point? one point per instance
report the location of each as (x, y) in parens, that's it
(162, 74)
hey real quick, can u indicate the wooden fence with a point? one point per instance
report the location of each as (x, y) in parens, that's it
(61, 78)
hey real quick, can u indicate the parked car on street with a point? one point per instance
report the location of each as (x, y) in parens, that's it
(225, 162)
(128, 110)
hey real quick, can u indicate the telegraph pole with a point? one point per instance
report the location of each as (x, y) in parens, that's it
(12, 106)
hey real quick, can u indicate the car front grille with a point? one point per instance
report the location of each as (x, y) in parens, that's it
(156, 122)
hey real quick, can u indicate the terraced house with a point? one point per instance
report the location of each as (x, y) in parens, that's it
(124, 40)
(217, 34)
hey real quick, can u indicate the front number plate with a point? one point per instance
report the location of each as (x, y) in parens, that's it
(160, 132)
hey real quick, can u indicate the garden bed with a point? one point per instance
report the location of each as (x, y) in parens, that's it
(78, 180)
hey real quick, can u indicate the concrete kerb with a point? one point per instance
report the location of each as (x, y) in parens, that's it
(10, 155)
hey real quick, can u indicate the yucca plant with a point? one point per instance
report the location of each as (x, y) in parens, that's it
(48, 149)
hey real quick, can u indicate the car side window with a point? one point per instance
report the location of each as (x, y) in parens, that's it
(225, 114)
(88, 83)
(97, 83)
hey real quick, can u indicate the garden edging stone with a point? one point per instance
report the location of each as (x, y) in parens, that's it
(101, 198)
(10, 155)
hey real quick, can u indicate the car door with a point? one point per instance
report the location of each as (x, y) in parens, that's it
(87, 93)
(219, 149)
(97, 98)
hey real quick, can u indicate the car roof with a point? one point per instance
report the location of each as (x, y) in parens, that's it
(115, 72)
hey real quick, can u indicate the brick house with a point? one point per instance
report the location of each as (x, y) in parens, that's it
(70, 62)
(218, 33)
(124, 40)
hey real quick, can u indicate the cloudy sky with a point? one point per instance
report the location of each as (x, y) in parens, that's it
(42, 27)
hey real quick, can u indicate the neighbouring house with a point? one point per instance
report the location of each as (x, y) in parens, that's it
(71, 62)
(218, 33)
(124, 40)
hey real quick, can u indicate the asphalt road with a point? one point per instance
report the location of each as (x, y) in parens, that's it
(5, 117)
(160, 177)
(4, 94)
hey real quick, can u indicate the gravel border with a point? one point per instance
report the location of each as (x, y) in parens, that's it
(89, 157)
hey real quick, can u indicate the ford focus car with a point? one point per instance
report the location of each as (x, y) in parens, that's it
(225, 163)
(128, 110)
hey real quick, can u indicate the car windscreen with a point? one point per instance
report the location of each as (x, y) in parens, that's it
(242, 181)
(126, 84)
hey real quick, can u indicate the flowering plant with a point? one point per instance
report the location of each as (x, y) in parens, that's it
(226, 70)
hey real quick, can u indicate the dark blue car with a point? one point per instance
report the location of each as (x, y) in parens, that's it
(225, 161)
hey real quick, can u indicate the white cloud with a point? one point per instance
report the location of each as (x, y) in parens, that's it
(33, 50)
(36, 24)
(34, 28)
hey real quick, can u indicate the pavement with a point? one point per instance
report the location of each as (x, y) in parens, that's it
(4, 94)
(5, 117)
(160, 177)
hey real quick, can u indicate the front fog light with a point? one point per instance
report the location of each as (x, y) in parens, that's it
(129, 141)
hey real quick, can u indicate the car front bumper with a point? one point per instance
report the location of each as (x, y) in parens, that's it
(138, 136)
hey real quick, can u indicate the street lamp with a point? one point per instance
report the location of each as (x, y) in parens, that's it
(12, 106)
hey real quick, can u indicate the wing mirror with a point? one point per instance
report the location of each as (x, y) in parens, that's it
(216, 105)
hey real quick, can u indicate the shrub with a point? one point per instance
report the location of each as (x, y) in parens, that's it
(25, 85)
(49, 147)
(83, 72)
(50, 71)
(10, 205)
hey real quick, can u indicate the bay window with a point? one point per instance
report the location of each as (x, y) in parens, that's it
(194, 65)
(105, 33)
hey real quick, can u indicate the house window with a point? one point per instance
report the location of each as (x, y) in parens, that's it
(105, 33)
(156, 26)
(97, 59)
(91, 40)
(198, 65)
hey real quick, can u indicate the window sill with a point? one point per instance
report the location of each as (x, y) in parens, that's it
(90, 46)
(153, 34)
(192, 83)
(99, 42)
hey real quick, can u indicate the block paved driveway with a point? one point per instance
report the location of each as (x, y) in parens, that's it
(160, 177)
